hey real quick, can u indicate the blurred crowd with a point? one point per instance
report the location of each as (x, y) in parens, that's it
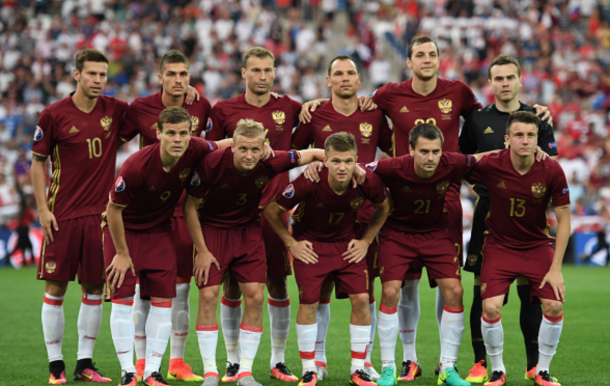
(564, 48)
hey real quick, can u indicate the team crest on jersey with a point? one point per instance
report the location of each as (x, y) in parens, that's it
(106, 123)
(372, 166)
(356, 202)
(366, 129)
(289, 191)
(38, 134)
(279, 117)
(209, 125)
(184, 173)
(261, 181)
(194, 123)
(445, 105)
(120, 185)
(50, 266)
(538, 190)
(195, 180)
(442, 187)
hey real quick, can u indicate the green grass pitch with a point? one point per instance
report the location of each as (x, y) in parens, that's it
(582, 359)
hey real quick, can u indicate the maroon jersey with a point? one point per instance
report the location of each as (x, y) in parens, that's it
(147, 192)
(278, 117)
(82, 147)
(230, 198)
(442, 108)
(324, 215)
(418, 203)
(518, 203)
(143, 114)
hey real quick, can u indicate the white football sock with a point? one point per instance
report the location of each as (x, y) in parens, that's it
(369, 348)
(53, 325)
(180, 321)
(408, 317)
(387, 328)
(140, 314)
(249, 340)
(440, 305)
(323, 321)
(158, 328)
(230, 319)
(359, 339)
(548, 339)
(122, 330)
(279, 322)
(493, 337)
(306, 336)
(89, 322)
(452, 329)
(207, 336)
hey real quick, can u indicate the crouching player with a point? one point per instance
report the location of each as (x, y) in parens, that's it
(518, 242)
(325, 246)
(225, 192)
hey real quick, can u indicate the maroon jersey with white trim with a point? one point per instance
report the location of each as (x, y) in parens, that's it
(82, 147)
(519, 203)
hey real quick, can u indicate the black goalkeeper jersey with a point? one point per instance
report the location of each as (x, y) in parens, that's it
(484, 130)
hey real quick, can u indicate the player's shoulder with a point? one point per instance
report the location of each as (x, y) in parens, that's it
(451, 84)
(233, 102)
(551, 164)
(485, 111)
(58, 107)
(197, 105)
(285, 100)
(391, 88)
(112, 102)
(142, 157)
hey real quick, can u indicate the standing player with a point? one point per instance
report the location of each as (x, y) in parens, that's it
(518, 243)
(80, 133)
(138, 239)
(370, 129)
(227, 189)
(327, 244)
(278, 117)
(141, 119)
(416, 233)
(485, 130)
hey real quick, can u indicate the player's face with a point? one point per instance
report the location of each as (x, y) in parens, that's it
(344, 79)
(247, 152)
(523, 139)
(424, 61)
(427, 154)
(175, 79)
(259, 75)
(505, 82)
(341, 164)
(92, 79)
(174, 138)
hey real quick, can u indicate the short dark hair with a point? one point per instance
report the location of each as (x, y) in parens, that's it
(522, 117)
(426, 130)
(89, 55)
(341, 142)
(420, 40)
(502, 60)
(341, 57)
(173, 56)
(258, 52)
(173, 115)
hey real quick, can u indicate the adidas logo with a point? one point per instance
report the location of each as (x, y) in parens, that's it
(151, 189)
(225, 186)
(406, 189)
(488, 130)
(404, 109)
(320, 206)
(73, 130)
(502, 185)
(327, 128)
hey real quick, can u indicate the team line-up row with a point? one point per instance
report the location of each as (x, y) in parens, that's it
(403, 214)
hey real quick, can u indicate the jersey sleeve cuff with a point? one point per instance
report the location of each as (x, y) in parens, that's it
(118, 205)
(40, 155)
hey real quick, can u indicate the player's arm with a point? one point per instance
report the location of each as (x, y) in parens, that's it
(478, 156)
(121, 262)
(357, 249)
(203, 258)
(48, 222)
(310, 155)
(310, 107)
(300, 250)
(554, 277)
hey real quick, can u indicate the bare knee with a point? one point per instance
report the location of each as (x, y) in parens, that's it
(93, 288)
(391, 293)
(492, 307)
(307, 313)
(56, 288)
(552, 307)
(361, 312)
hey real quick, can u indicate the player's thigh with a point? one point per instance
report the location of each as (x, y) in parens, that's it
(501, 266)
(310, 277)
(396, 254)
(352, 279)
(128, 287)
(456, 227)
(539, 262)
(60, 259)
(438, 254)
(219, 244)
(278, 258)
(184, 250)
(91, 267)
(249, 264)
(157, 260)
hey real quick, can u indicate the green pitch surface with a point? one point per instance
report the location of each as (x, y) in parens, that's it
(583, 355)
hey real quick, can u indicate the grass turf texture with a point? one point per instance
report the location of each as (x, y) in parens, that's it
(581, 358)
